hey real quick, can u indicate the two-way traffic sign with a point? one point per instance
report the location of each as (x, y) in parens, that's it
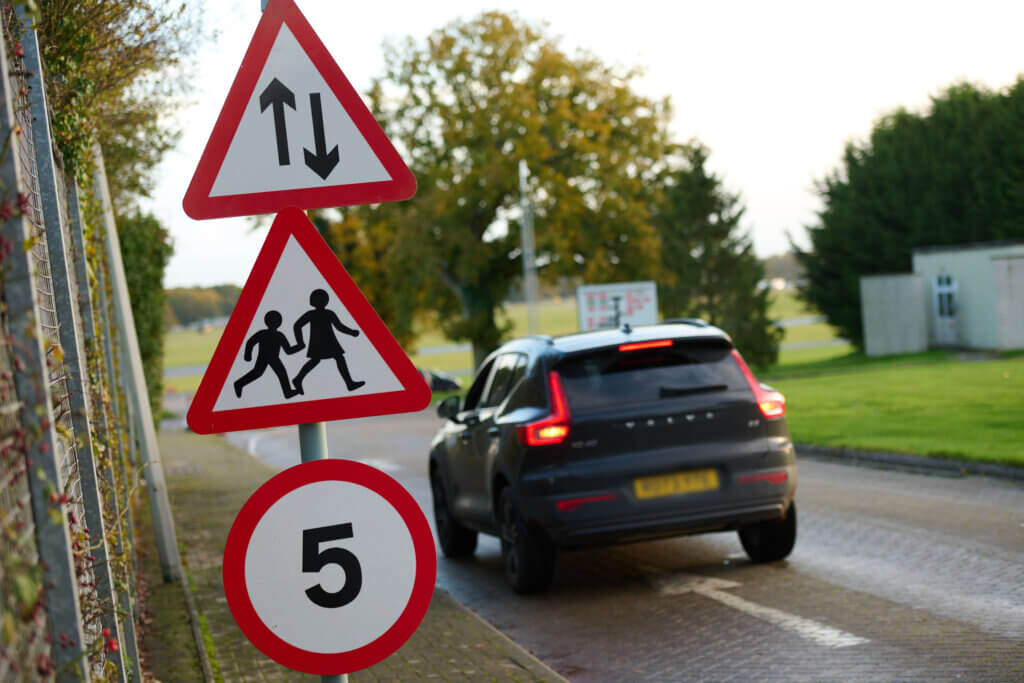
(293, 132)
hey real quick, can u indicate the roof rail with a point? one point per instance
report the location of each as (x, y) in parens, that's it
(696, 322)
(541, 337)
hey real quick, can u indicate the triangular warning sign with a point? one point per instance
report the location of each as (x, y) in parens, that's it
(302, 345)
(293, 132)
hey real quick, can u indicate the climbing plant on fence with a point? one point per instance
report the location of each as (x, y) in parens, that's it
(73, 441)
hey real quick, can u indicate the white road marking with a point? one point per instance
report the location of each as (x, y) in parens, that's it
(382, 465)
(251, 446)
(678, 584)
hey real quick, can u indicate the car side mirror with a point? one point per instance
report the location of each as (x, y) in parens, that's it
(449, 408)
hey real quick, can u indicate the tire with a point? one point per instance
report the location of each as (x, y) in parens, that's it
(528, 555)
(770, 541)
(456, 540)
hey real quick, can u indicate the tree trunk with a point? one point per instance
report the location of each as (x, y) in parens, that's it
(481, 329)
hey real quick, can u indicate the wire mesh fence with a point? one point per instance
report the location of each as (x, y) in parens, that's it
(66, 472)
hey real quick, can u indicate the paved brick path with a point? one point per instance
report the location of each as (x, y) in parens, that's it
(208, 481)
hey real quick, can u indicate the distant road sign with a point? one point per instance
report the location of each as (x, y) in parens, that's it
(302, 345)
(293, 132)
(329, 567)
(613, 304)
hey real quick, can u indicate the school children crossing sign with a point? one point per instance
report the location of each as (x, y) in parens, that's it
(302, 345)
(293, 132)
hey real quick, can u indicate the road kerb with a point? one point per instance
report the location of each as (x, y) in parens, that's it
(915, 463)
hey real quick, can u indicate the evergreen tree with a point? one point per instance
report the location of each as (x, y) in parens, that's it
(146, 249)
(708, 263)
(952, 175)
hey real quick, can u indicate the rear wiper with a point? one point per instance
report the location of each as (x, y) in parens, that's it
(671, 392)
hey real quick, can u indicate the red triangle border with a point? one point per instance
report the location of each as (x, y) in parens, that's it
(198, 203)
(414, 396)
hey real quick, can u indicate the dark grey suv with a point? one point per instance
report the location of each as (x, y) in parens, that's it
(609, 437)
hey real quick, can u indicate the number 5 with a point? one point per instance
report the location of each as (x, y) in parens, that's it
(313, 560)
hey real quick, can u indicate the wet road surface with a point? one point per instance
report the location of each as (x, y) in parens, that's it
(895, 576)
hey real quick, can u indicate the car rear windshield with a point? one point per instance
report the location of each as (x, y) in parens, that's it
(610, 377)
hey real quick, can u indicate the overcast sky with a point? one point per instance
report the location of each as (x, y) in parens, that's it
(773, 89)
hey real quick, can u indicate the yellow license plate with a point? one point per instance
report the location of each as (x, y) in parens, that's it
(675, 484)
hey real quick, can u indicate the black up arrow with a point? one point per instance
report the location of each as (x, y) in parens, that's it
(322, 163)
(278, 95)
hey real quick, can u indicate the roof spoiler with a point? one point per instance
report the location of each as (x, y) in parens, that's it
(696, 322)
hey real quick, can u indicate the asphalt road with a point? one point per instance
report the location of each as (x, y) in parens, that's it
(895, 576)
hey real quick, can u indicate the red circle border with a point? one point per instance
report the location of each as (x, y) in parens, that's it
(237, 594)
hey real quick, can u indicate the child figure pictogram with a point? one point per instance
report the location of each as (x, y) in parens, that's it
(323, 344)
(270, 343)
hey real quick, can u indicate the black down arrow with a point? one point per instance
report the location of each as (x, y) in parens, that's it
(323, 162)
(278, 95)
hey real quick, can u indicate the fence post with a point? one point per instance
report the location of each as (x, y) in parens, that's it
(124, 598)
(125, 442)
(160, 505)
(65, 295)
(32, 374)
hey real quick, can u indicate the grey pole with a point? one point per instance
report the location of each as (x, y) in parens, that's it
(313, 446)
(138, 396)
(529, 255)
(123, 534)
(313, 441)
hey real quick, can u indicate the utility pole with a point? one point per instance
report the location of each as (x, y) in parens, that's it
(529, 255)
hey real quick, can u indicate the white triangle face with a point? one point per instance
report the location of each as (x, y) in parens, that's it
(288, 293)
(269, 150)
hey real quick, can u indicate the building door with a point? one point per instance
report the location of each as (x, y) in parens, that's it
(945, 311)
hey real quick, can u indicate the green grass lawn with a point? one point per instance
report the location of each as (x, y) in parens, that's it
(183, 348)
(186, 384)
(784, 304)
(456, 361)
(802, 334)
(930, 404)
(798, 358)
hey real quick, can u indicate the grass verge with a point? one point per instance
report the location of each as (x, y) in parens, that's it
(204, 627)
(930, 404)
(186, 384)
(166, 645)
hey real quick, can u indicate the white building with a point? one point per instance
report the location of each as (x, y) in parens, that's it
(969, 296)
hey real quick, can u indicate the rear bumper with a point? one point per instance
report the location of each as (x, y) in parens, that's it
(569, 533)
(603, 509)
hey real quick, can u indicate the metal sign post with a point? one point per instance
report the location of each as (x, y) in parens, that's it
(313, 446)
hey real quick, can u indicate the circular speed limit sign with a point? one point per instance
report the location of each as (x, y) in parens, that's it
(329, 567)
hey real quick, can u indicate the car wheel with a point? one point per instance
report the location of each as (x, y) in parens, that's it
(456, 540)
(770, 541)
(528, 554)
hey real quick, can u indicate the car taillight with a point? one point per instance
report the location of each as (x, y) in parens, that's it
(640, 346)
(555, 427)
(771, 403)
